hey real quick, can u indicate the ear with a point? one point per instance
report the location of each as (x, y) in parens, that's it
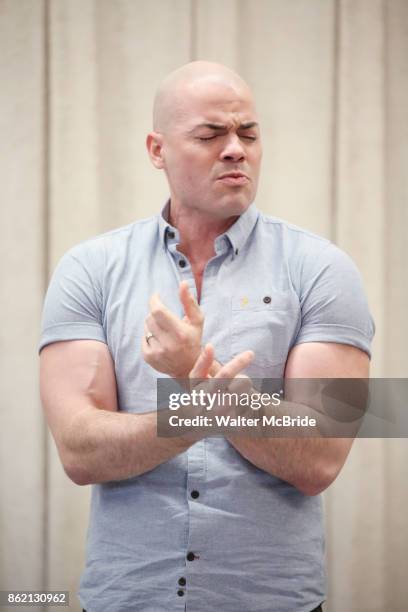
(154, 144)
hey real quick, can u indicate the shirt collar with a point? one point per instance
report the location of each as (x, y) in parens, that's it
(237, 234)
(164, 225)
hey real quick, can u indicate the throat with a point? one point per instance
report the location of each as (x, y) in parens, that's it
(198, 277)
(198, 259)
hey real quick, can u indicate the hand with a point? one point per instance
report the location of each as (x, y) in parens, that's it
(176, 343)
(212, 377)
(207, 367)
(228, 377)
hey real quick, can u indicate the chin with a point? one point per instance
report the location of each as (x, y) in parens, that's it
(236, 206)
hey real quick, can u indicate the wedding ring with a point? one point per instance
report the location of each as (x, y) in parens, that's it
(148, 336)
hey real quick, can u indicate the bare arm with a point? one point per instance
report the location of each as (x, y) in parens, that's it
(96, 443)
(309, 464)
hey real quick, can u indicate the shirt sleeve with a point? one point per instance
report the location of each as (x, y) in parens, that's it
(333, 303)
(73, 303)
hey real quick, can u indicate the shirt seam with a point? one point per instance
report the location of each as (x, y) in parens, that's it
(63, 324)
(293, 228)
(337, 325)
(124, 228)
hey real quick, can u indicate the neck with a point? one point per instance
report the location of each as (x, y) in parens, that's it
(198, 232)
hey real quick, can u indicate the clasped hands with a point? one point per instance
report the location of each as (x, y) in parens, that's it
(173, 346)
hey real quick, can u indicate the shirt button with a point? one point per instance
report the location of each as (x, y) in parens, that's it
(171, 235)
(182, 263)
(180, 593)
(190, 556)
(195, 494)
(182, 581)
(267, 299)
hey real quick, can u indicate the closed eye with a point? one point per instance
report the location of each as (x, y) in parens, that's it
(204, 138)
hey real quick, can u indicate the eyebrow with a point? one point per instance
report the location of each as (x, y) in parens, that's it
(221, 127)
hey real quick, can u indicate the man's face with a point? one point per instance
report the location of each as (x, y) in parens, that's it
(212, 150)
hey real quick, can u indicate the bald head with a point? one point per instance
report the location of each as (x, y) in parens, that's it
(184, 83)
(205, 126)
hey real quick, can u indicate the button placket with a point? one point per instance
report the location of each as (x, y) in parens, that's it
(196, 470)
(181, 583)
(195, 483)
(180, 273)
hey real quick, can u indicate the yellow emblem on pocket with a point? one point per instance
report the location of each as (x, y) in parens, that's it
(244, 301)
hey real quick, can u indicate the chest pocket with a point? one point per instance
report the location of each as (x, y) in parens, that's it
(265, 323)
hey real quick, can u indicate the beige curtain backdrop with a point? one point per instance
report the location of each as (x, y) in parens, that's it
(77, 79)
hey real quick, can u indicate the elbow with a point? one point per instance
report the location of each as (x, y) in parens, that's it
(76, 472)
(73, 464)
(321, 480)
(312, 489)
(78, 475)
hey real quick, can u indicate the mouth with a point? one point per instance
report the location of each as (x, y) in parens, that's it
(234, 178)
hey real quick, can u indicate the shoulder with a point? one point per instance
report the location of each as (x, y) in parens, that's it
(302, 251)
(115, 244)
(294, 237)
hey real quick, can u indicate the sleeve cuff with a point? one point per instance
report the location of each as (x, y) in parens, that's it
(341, 334)
(71, 331)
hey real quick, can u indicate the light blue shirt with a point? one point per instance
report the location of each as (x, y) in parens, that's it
(257, 543)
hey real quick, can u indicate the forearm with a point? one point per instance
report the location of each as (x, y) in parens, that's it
(306, 463)
(100, 446)
(306, 458)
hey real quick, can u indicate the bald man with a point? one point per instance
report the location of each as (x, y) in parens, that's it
(208, 288)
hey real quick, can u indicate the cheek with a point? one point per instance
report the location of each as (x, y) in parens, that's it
(196, 172)
(190, 178)
(191, 172)
(256, 163)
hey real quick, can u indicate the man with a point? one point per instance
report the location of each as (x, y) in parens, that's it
(231, 523)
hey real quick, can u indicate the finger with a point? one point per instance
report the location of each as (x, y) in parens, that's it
(202, 366)
(148, 343)
(150, 325)
(189, 303)
(165, 338)
(215, 367)
(156, 330)
(236, 365)
(227, 372)
(241, 384)
(163, 317)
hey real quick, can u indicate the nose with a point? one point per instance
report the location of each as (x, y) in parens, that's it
(233, 150)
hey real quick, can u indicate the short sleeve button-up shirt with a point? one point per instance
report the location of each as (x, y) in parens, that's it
(206, 530)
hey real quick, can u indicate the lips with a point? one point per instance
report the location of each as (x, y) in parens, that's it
(234, 178)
